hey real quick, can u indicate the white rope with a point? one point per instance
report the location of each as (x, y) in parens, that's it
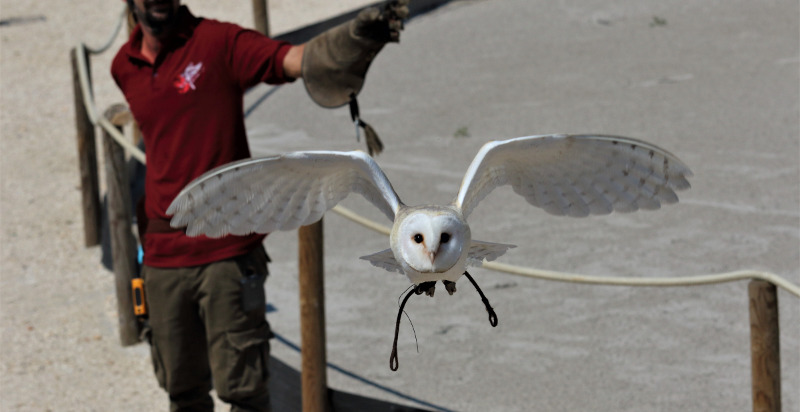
(91, 110)
(115, 134)
(83, 77)
(361, 220)
(88, 99)
(122, 16)
(605, 280)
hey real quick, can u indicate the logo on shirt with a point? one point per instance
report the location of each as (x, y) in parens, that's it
(185, 81)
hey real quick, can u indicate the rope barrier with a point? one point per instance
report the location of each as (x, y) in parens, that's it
(139, 155)
(122, 16)
(91, 110)
(604, 280)
(88, 99)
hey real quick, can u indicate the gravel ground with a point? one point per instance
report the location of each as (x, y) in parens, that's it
(58, 308)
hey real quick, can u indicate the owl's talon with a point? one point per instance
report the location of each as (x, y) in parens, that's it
(427, 287)
(449, 286)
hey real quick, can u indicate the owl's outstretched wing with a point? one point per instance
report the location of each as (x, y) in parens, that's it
(576, 175)
(283, 192)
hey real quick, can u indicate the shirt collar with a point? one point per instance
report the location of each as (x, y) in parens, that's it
(186, 23)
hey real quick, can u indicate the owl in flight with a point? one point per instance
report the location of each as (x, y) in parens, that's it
(570, 175)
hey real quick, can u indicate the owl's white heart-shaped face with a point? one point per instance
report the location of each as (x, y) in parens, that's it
(431, 239)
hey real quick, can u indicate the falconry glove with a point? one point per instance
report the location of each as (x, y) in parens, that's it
(335, 62)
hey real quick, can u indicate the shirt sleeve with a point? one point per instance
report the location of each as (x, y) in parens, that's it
(255, 58)
(116, 68)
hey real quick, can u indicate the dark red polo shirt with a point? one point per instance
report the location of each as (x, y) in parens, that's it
(189, 106)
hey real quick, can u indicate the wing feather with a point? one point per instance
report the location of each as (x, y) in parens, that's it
(278, 193)
(385, 260)
(488, 251)
(596, 202)
(576, 175)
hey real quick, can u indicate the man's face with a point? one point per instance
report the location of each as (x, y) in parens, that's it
(156, 15)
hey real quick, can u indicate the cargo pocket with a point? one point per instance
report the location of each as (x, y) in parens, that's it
(246, 367)
(253, 268)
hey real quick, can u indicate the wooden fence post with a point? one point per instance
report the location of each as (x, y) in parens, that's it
(120, 221)
(261, 16)
(87, 158)
(765, 346)
(314, 381)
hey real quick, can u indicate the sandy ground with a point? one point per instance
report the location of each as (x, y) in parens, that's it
(714, 82)
(58, 308)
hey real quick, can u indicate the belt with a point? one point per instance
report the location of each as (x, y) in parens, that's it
(162, 226)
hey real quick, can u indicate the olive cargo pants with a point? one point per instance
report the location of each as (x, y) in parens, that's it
(200, 330)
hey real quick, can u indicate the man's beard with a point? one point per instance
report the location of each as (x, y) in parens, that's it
(157, 24)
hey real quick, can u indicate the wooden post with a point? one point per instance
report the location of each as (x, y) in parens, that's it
(120, 221)
(87, 159)
(261, 16)
(314, 381)
(765, 346)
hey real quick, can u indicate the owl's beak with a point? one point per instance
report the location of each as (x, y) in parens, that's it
(432, 256)
(433, 251)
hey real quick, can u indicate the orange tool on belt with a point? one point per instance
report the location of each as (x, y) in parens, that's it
(139, 307)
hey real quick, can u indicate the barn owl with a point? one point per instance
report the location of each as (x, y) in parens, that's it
(572, 175)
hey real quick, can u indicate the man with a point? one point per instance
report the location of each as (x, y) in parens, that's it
(184, 79)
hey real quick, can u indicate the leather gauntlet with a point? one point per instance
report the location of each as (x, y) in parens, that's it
(335, 62)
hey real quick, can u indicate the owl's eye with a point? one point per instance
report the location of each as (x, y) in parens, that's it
(418, 238)
(445, 238)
